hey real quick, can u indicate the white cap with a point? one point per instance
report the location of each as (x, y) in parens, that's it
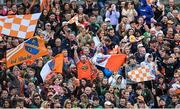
(108, 103)
(107, 19)
(140, 45)
(64, 23)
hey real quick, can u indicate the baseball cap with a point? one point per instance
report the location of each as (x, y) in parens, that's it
(140, 45)
(107, 19)
(108, 103)
(170, 22)
(132, 38)
(64, 23)
(146, 34)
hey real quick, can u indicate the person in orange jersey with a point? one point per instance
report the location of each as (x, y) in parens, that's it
(84, 66)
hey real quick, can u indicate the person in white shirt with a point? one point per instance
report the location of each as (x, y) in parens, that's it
(148, 62)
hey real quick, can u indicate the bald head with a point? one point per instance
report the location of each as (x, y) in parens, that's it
(58, 42)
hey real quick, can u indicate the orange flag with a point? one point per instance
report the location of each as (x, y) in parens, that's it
(28, 50)
(112, 62)
(58, 63)
(44, 5)
(178, 91)
(52, 66)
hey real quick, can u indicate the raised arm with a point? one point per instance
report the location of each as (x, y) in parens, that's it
(76, 58)
(32, 4)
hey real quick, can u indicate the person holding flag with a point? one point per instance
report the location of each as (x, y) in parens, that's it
(85, 68)
(148, 62)
(108, 63)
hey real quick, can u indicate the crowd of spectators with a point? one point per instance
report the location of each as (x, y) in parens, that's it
(148, 33)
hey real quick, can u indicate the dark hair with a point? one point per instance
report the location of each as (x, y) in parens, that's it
(19, 100)
(8, 1)
(60, 2)
(110, 29)
(64, 6)
(64, 49)
(132, 22)
(120, 93)
(92, 15)
(131, 57)
(31, 69)
(87, 82)
(89, 106)
(110, 7)
(128, 32)
(137, 33)
(46, 23)
(8, 101)
(123, 16)
(126, 5)
(95, 98)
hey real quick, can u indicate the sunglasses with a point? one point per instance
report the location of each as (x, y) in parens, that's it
(36, 98)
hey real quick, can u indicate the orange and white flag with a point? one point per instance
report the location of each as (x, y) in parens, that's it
(58, 63)
(28, 50)
(141, 74)
(21, 26)
(111, 62)
(54, 65)
(73, 20)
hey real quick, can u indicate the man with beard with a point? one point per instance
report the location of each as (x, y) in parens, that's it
(132, 64)
(140, 54)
